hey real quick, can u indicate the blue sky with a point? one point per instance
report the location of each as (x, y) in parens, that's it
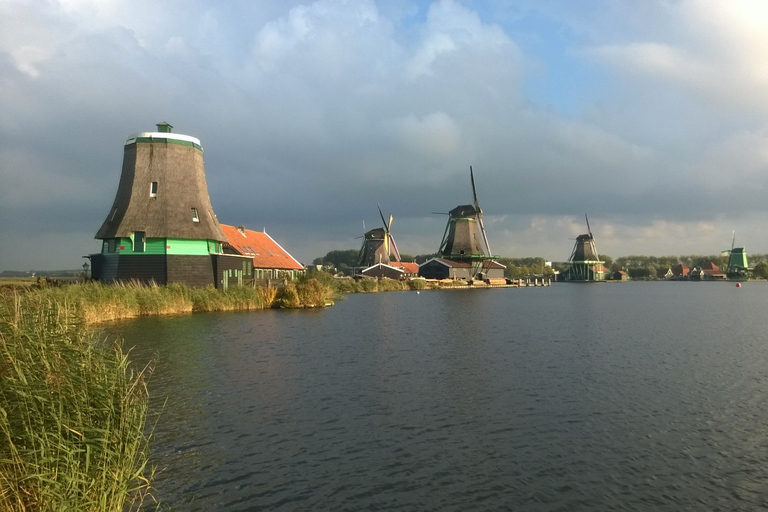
(649, 116)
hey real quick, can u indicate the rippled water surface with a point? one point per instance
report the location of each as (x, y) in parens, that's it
(631, 396)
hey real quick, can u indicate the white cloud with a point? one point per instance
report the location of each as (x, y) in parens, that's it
(720, 55)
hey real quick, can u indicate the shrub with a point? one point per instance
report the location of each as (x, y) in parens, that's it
(312, 293)
(286, 297)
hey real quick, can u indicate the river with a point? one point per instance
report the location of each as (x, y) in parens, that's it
(621, 396)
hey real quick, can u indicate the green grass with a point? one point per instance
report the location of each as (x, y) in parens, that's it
(72, 413)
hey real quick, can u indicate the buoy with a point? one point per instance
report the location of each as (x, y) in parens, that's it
(738, 285)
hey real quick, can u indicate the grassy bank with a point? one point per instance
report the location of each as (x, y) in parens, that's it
(72, 412)
(96, 302)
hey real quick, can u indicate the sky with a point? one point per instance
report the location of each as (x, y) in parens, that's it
(649, 117)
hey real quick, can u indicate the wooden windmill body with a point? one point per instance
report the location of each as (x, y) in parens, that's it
(465, 240)
(378, 246)
(161, 227)
(738, 267)
(584, 264)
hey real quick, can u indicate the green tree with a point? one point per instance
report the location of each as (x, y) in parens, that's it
(761, 270)
(336, 258)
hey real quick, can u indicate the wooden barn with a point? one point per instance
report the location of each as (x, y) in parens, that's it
(269, 261)
(380, 270)
(161, 227)
(442, 268)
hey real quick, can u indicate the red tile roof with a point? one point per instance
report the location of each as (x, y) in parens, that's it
(408, 268)
(265, 251)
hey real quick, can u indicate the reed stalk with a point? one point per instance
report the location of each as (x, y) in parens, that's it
(72, 413)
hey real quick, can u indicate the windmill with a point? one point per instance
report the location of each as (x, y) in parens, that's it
(584, 258)
(737, 261)
(378, 245)
(465, 239)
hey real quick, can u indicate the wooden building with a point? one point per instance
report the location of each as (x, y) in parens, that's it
(381, 270)
(161, 227)
(680, 271)
(269, 261)
(409, 269)
(442, 268)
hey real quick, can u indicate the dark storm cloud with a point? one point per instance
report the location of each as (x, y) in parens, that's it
(312, 113)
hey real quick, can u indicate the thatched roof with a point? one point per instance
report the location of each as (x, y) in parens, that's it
(175, 164)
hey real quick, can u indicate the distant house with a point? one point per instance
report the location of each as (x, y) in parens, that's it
(707, 272)
(680, 271)
(380, 270)
(409, 269)
(619, 275)
(664, 273)
(712, 271)
(600, 271)
(270, 260)
(442, 268)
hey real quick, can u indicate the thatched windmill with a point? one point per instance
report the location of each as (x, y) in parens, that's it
(584, 263)
(465, 239)
(161, 226)
(378, 245)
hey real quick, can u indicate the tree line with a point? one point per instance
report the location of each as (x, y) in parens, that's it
(637, 266)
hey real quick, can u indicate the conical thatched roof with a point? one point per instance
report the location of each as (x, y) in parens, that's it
(162, 191)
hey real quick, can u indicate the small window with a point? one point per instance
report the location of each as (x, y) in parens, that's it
(153, 189)
(195, 218)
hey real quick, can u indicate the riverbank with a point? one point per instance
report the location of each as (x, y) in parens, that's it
(72, 412)
(96, 302)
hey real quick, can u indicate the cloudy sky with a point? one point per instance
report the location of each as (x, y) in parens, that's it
(651, 117)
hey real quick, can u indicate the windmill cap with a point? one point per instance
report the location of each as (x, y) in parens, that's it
(164, 131)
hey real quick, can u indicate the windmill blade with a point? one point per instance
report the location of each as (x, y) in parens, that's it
(386, 228)
(394, 248)
(474, 191)
(588, 229)
(485, 237)
(440, 213)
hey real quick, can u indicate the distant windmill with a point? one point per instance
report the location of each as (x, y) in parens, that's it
(465, 239)
(378, 245)
(584, 260)
(737, 261)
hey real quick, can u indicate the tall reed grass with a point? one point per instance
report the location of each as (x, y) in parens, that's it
(97, 302)
(72, 413)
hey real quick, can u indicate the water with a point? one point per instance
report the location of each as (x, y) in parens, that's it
(631, 396)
